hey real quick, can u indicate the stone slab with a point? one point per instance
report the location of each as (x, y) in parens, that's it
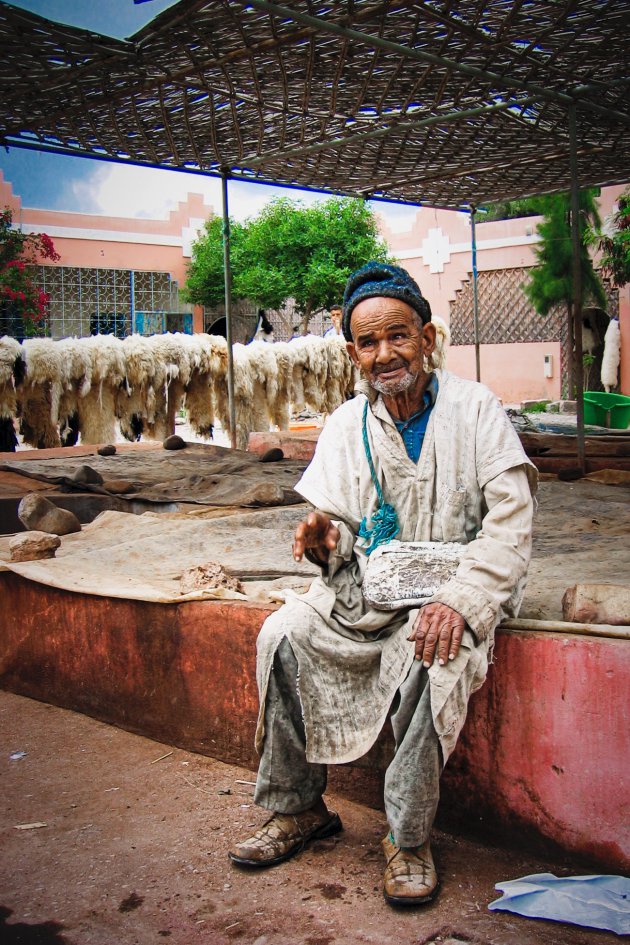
(597, 603)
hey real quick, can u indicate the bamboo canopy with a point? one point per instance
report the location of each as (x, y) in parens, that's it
(439, 103)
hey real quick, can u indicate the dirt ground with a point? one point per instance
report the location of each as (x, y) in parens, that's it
(131, 850)
(581, 534)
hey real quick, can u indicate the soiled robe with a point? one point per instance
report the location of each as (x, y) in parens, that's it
(473, 483)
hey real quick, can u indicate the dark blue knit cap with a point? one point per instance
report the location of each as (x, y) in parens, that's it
(377, 279)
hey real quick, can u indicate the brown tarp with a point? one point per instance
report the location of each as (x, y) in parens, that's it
(143, 557)
(199, 474)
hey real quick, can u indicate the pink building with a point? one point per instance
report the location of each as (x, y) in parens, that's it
(521, 352)
(126, 264)
(137, 265)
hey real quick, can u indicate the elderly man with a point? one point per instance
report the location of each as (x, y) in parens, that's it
(425, 456)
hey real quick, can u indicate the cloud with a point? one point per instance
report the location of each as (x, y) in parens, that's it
(150, 193)
(79, 185)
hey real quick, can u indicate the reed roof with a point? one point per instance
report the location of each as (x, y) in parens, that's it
(445, 103)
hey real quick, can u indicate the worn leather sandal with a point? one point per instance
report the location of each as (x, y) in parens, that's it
(410, 878)
(284, 835)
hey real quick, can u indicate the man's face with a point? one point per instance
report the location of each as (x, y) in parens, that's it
(335, 317)
(389, 345)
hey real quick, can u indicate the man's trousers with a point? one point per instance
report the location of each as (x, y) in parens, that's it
(289, 784)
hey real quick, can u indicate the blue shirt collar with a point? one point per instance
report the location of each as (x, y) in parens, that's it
(428, 399)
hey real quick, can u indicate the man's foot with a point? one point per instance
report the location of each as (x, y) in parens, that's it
(410, 878)
(284, 835)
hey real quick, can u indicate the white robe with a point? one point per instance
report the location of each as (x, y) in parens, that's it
(473, 483)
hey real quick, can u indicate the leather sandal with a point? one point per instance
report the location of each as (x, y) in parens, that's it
(410, 878)
(284, 835)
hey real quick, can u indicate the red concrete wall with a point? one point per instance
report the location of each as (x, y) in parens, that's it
(544, 754)
(178, 673)
(546, 745)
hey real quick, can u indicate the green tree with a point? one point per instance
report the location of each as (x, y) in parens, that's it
(551, 280)
(23, 305)
(509, 209)
(615, 244)
(287, 252)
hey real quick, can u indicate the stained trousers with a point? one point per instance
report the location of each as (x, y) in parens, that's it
(289, 784)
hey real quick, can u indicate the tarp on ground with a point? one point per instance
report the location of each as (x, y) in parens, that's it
(143, 557)
(199, 474)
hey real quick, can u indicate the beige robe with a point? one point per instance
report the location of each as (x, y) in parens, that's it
(473, 483)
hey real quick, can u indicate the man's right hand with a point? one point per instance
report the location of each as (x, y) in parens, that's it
(317, 534)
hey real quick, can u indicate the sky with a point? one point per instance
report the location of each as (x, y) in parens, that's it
(81, 185)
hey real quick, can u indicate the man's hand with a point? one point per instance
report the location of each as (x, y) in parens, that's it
(318, 534)
(439, 629)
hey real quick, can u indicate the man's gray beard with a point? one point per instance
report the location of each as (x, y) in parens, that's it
(389, 388)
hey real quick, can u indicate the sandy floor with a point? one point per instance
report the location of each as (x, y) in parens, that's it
(131, 850)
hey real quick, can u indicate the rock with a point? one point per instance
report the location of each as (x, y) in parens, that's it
(273, 455)
(118, 486)
(263, 493)
(174, 442)
(37, 513)
(109, 450)
(597, 603)
(207, 576)
(87, 475)
(570, 475)
(562, 406)
(32, 546)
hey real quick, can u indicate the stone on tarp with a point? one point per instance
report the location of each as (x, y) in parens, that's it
(597, 603)
(32, 546)
(174, 442)
(109, 450)
(263, 493)
(118, 486)
(210, 575)
(273, 455)
(38, 513)
(87, 475)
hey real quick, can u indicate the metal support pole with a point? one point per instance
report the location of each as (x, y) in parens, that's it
(577, 288)
(227, 274)
(475, 298)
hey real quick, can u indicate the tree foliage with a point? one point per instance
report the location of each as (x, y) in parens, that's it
(509, 209)
(22, 302)
(287, 252)
(615, 245)
(551, 280)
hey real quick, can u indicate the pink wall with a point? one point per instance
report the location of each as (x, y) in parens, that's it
(116, 242)
(436, 249)
(514, 372)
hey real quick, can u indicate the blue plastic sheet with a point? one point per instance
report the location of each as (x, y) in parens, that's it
(597, 902)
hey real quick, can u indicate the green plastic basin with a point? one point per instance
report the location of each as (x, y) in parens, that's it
(607, 410)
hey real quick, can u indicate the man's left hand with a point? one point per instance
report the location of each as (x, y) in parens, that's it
(438, 630)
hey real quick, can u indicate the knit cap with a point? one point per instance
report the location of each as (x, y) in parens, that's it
(377, 279)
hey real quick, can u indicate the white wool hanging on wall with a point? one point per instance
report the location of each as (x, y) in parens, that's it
(611, 356)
